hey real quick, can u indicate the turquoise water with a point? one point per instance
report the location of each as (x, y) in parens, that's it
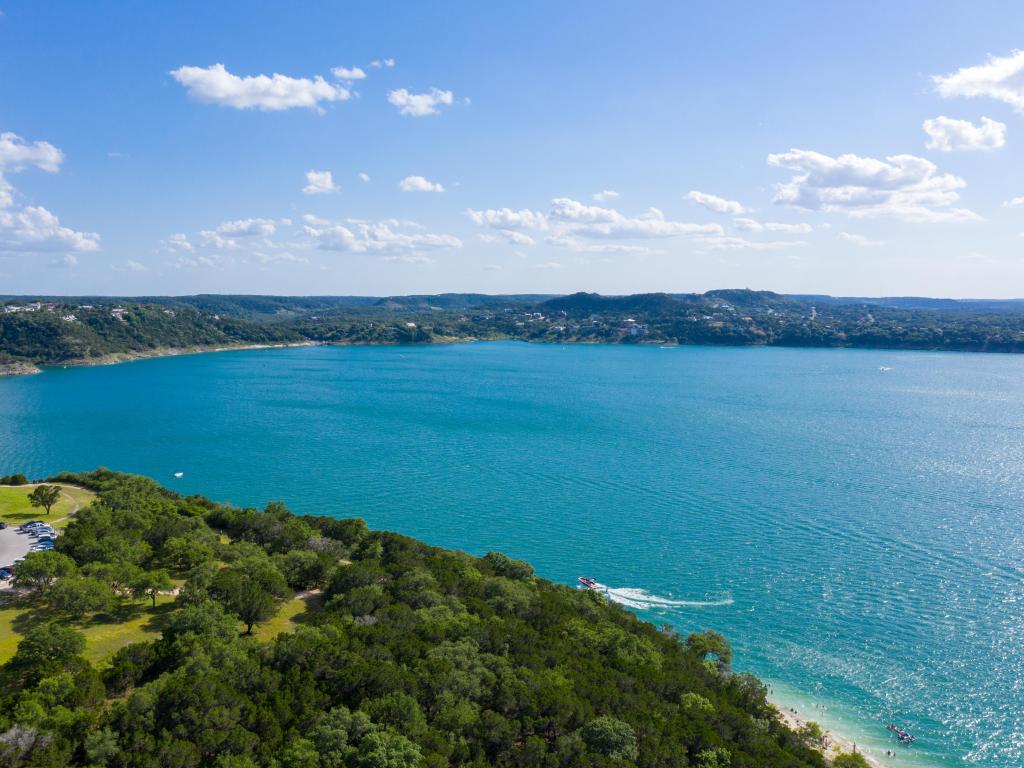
(856, 533)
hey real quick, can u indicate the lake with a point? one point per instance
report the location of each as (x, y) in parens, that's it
(855, 532)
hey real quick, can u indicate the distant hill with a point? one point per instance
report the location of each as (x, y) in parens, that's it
(920, 302)
(67, 330)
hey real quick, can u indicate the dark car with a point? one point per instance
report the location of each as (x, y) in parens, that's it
(2, 525)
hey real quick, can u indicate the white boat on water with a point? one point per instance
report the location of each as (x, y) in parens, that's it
(179, 475)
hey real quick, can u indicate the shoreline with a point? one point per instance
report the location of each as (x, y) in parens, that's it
(28, 368)
(23, 368)
(836, 744)
(116, 358)
(796, 708)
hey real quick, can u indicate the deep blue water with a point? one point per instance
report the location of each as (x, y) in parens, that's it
(857, 534)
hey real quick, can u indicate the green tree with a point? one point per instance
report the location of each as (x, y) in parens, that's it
(48, 645)
(101, 746)
(714, 758)
(185, 553)
(250, 589)
(300, 753)
(44, 496)
(610, 737)
(811, 732)
(850, 760)
(79, 595)
(505, 566)
(383, 749)
(711, 643)
(150, 584)
(40, 569)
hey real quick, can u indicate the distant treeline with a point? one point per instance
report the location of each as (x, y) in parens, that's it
(65, 330)
(413, 656)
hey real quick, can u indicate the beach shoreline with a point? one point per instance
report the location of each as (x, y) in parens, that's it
(116, 358)
(835, 744)
(21, 368)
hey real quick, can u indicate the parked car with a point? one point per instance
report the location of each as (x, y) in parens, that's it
(2, 525)
(5, 574)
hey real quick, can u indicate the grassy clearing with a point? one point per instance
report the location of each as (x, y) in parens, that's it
(134, 622)
(105, 634)
(15, 507)
(292, 613)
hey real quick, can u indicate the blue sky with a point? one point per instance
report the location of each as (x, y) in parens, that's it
(518, 147)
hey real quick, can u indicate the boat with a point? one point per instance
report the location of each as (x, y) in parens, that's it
(884, 368)
(589, 583)
(179, 475)
(905, 736)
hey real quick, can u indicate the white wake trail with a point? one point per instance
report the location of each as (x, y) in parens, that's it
(642, 600)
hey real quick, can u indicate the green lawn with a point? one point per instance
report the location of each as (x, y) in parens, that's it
(15, 507)
(105, 634)
(292, 614)
(134, 622)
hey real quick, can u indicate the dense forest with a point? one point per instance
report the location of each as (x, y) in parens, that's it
(415, 656)
(61, 331)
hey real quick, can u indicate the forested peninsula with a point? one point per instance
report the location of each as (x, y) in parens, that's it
(39, 331)
(401, 655)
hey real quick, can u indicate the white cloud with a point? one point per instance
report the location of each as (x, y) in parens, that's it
(563, 240)
(247, 228)
(419, 184)
(410, 258)
(190, 262)
(67, 261)
(343, 73)
(730, 243)
(549, 265)
(213, 239)
(901, 186)
(948, 135)
(178, 242)
(508, 235)
(215, 85)
(34, 229)
(319, 183)
(595, 221)
(605, 195)
(715, 203)
(750, 225)
(1014, 202)
(16, 154)
(378, 63)
(134, 266)
(1000, 78)
(367, 237)
(364, 176)
(420, 104)
(859, 240)
(506, 218)
(282, 257)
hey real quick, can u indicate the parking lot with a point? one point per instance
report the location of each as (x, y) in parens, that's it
(12, 546)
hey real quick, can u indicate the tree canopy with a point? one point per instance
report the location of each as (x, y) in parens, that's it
(411, 656)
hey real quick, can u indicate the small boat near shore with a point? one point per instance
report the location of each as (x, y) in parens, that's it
(905, 736)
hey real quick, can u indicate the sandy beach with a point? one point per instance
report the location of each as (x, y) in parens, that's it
(834, 744)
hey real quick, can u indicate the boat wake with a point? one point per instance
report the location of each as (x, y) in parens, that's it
(642, 600)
